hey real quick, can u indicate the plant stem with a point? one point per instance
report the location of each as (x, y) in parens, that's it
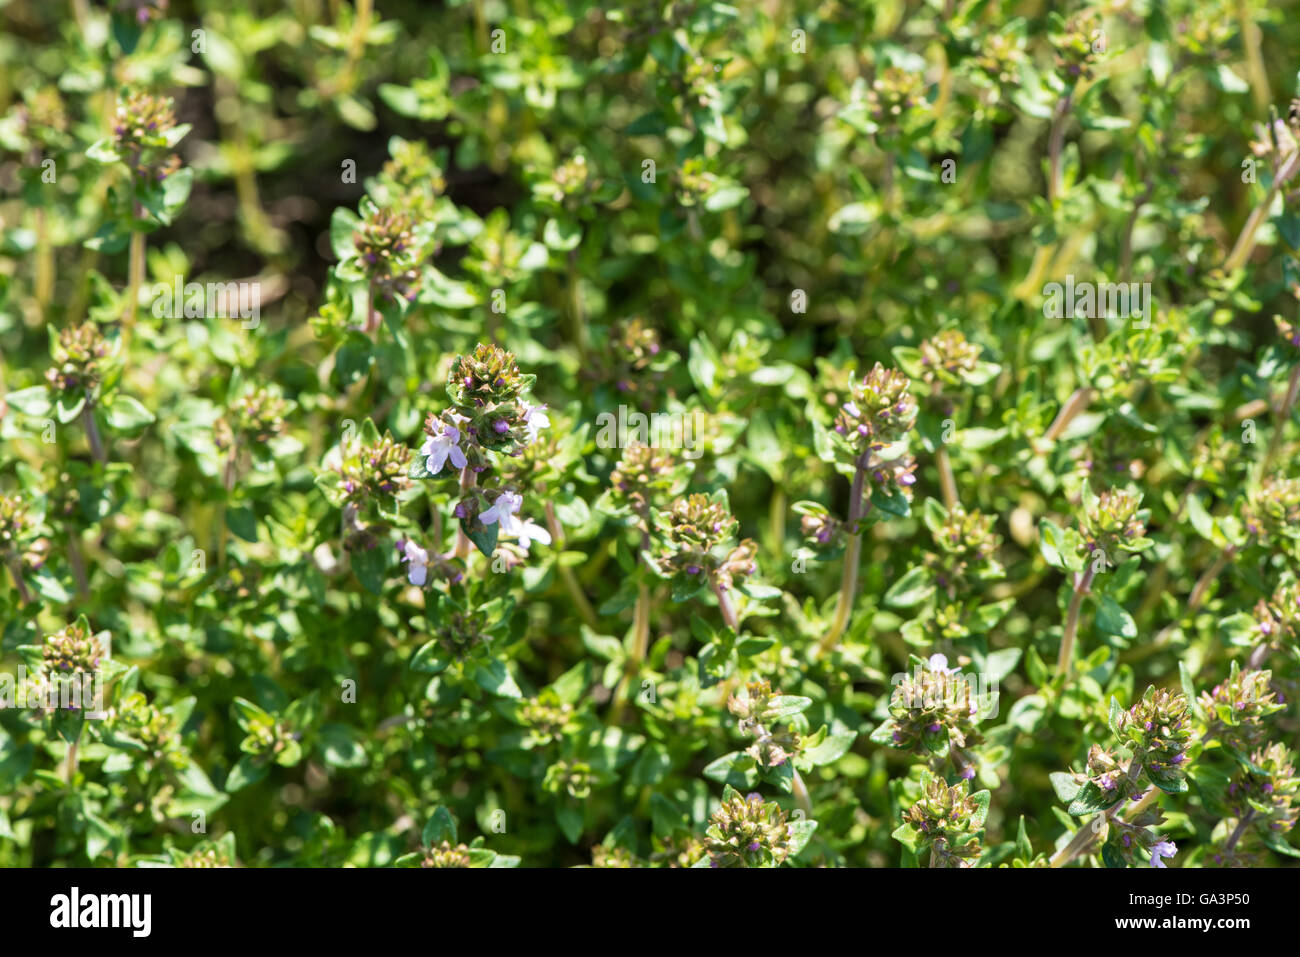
(576, 312)
(1203, 583)
(228, 482)
(77, 563)
(852, 553)
(1076, 403)
(776, 519)
(371, 323)
(1283, 414)
(1245, 244)
(1082, 583)
(467, 480)
(43, 284)
(70, 769)
(1055, 143)
(725, 605)
(16, 570)
(1087, 833)
(1126, 245)
(1239, 830)
(1250, 41)
(801, 795)
(134, 278)
(947, 481)
(585, 610)
(92, 432)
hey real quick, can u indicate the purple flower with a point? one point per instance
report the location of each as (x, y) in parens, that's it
(1162, 850)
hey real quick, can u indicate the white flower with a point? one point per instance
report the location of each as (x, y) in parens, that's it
(503, 512)
(939, 663)
(1162, 850)
(446, 445)
(418, 573)
(530, 531)
(536, 419)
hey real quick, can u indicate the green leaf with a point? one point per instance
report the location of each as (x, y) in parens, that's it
(1091, 799)
(243, 522)
(1114, 620)
(125, 414)
(831, 749)
(247, 771)
(341, 746)
(800, 833)
(483, 536)
(495, 678)
(440, 827)
(1050, 541)
(912, 589)
(34, 401)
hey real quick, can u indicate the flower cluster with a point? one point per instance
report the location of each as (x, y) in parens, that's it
(642, 476)
(1273, 509)
(77, 356)
(376, 471)
(74, 650)
(948, 822)
(634, 360)
(386, 247)
(1112, 524)
(15, 526)
(1080, 44)
(948, 358)
(746, 831)
(1237, 707)
(144, 132)
(446, 855)
(759, 708)
(254, 418)
(878, 412)
(1158, 729)
(934, 710)
(967, 550)
(697, 539)
(1278, 617)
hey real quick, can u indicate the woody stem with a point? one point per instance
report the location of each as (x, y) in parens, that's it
(16, 570)
(566, 573)
(849, 583)
(1082, 583)
(1245, 244)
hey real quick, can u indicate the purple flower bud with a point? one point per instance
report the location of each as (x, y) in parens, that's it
(754, 846)
(692, 569)
(501, 426)
(934, 727)
(968, 772)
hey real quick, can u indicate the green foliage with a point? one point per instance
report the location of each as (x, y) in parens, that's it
(685, 434)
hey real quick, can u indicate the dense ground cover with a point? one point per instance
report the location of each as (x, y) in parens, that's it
(486, 433)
